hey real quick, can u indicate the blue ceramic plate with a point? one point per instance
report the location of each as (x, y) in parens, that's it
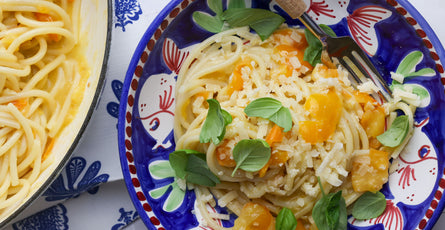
(391, 32)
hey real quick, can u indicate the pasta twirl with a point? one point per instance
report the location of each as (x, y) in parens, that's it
(41, 74)
(235, 67)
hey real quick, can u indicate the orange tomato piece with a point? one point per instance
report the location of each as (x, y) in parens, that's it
(48, 150)
(282, 69)
(300, 225)
(47, 18)
(287, 46)
(370, 171)
(224, 155)
(364, 98)
(254, 217)
(43, 17)
(275, 135)
(287, 50)
(236, 82)
(374, 143)
(287, 33)
(20, 104)
(326, 72)
(325, 111)
(276, 159)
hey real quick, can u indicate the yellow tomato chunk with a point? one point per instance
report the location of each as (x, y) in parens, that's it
(289, 48)
(373, 121)
(370, 171)
(224, 155)
(325, 112)
(254, 217)
(325, 72)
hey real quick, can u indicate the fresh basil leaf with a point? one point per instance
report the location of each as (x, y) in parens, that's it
(236, 4)
(227, 117)
(272, 109)
(191, 166)
(282, 118)
(265, 27)
(251, 155)
(264, 107)
(333, 209)
(329, 213)
(395, 135)
(210, 23)
(311, 39)
(214, 127)
(343, 217)
(312, 54)
(216, 6)
(198, 172)
(319, 213)
(328, 30)
(239, 17)
(369, 205)
(285, 220)
(264, 22)
(178, 161)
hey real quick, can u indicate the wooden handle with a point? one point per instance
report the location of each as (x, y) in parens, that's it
(295, 8)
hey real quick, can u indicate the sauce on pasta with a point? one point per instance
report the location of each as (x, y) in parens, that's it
(42, 78)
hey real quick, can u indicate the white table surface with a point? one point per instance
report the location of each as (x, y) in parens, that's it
(434, 13)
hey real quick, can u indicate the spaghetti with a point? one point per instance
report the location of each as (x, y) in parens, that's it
(235, 67)
(42, 77)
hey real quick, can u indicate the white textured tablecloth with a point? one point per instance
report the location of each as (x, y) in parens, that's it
(71, 201)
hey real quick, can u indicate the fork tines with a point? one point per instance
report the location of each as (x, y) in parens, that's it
(354, 59)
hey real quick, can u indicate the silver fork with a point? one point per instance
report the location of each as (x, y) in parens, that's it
(344, 49)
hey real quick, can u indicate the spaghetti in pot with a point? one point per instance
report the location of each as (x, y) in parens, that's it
(235, 67)
(42, 78)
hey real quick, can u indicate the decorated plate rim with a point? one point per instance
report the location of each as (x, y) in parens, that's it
(156, 28)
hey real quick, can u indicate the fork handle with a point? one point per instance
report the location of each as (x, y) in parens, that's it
(297, 9)
(313, 27)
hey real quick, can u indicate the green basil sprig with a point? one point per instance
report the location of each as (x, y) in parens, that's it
(210, 23)
(369, 205)
(214, 127)
(312, 54)
(329, 213)
(251, 155)
(191, 166)
(285, 220)
(272, 109)
(264, 22)
(395, 135)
